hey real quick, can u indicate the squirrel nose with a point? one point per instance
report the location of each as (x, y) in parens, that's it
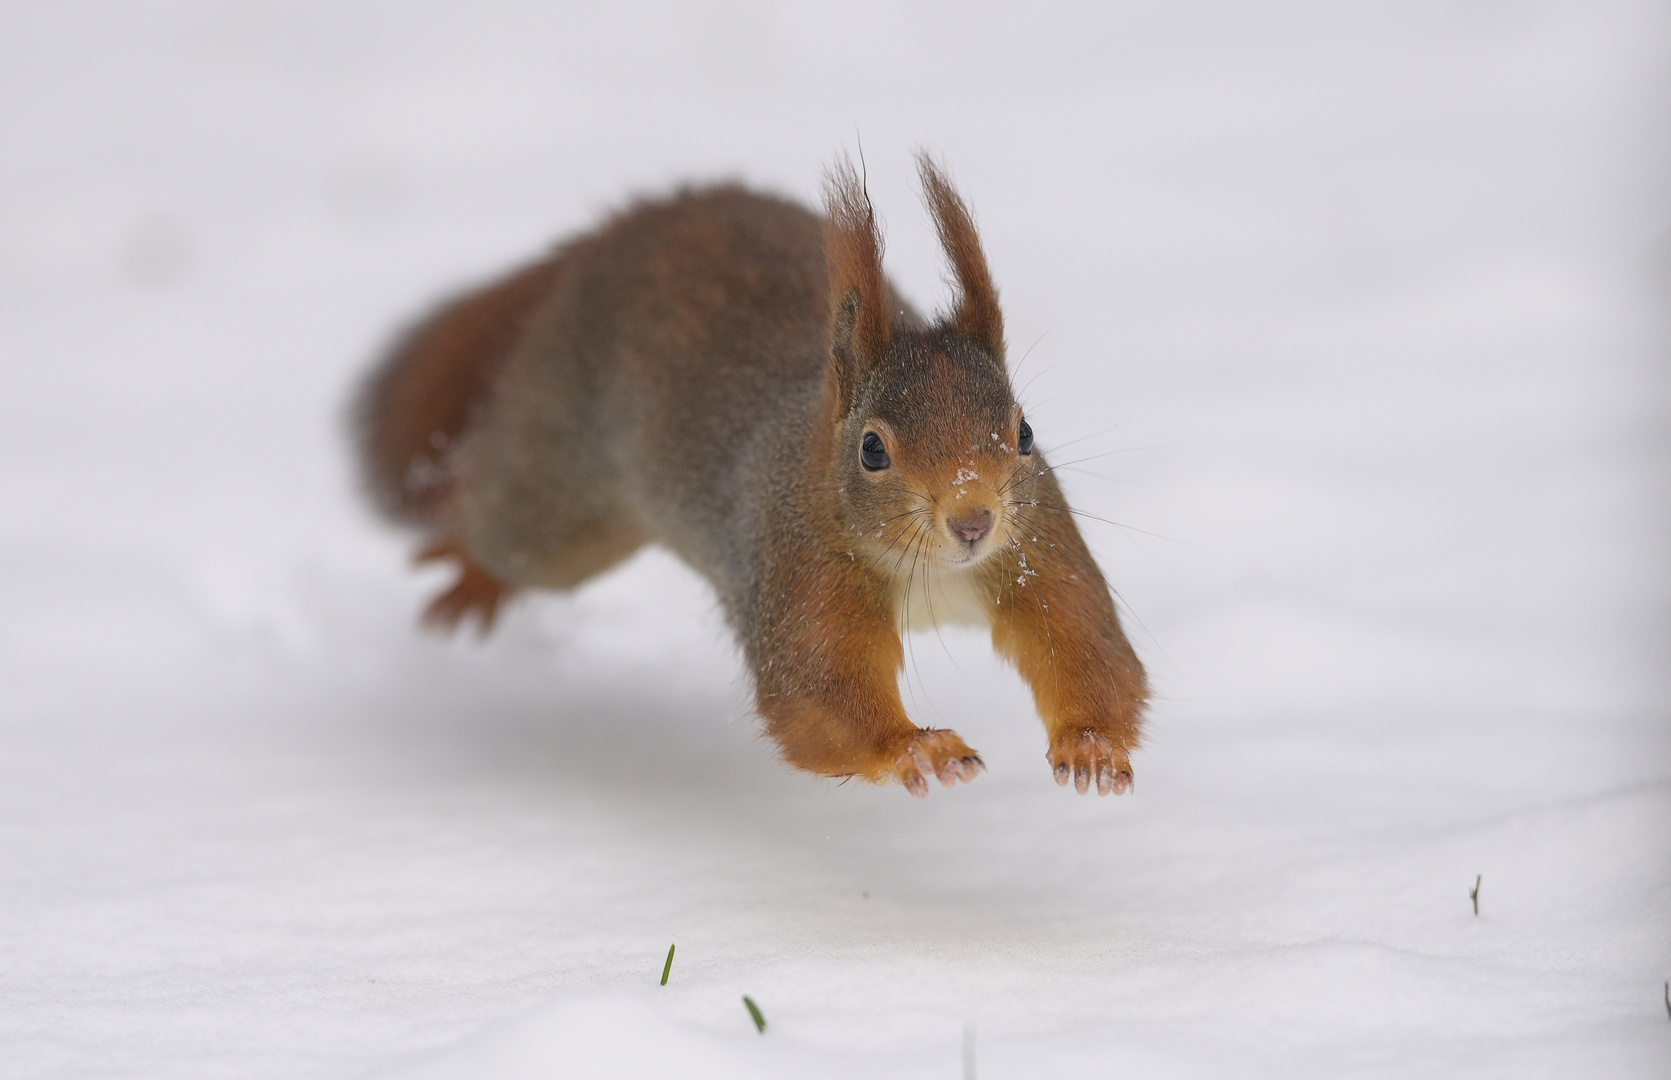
(970, 529)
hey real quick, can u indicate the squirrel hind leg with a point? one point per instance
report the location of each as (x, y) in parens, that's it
(476, 592)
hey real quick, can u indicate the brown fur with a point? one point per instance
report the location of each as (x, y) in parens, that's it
(861, 319)
(415, 405)
(976, 314)
(710, 372)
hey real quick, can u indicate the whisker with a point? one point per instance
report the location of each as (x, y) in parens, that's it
(1104, 477)
(929, 581)
(1138, 619)
(1019, 363)
(1035, 378)
(916, 530)
(1082, 438)
(1022, 472)
(1106, 521)
(1037, 529)
(896, 542)
(907, 513)
(905, 628)
(1089, 457)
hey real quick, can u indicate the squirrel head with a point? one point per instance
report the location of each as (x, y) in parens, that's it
(929, 446)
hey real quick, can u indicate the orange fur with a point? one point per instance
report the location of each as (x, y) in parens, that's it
(829, 690)
(1054, 619)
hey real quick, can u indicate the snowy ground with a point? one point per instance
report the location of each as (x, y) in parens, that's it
(1360, 308)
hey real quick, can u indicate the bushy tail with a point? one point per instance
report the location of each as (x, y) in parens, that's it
(412, 409)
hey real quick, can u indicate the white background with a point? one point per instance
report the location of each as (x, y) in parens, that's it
(1355, 310)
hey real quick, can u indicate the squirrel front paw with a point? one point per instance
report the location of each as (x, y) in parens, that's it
(935, 752)
(1085, 754)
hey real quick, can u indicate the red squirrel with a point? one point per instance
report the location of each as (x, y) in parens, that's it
(731, 375)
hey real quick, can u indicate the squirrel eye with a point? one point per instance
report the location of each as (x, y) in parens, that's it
(873, 453)
(1025, 443)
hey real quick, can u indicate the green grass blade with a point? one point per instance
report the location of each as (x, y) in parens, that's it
(667, 967)
(754, 1012)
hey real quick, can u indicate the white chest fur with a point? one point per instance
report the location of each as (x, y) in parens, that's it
(940, 598)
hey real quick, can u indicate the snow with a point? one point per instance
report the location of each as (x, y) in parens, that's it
(1357, 313)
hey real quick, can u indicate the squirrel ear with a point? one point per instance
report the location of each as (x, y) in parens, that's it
(847, 362)
(976, 314)
(860, 329)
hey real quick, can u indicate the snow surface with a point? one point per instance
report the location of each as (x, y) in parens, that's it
(1357, 312)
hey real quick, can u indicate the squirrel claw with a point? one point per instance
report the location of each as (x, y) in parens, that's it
(1112, 781)
(964, 768)
(1090, 758)
(938, 753)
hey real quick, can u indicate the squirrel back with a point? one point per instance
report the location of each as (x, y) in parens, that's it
(731, 375)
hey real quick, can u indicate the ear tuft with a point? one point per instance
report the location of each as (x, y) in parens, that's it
(860, 327)
(976, 313)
